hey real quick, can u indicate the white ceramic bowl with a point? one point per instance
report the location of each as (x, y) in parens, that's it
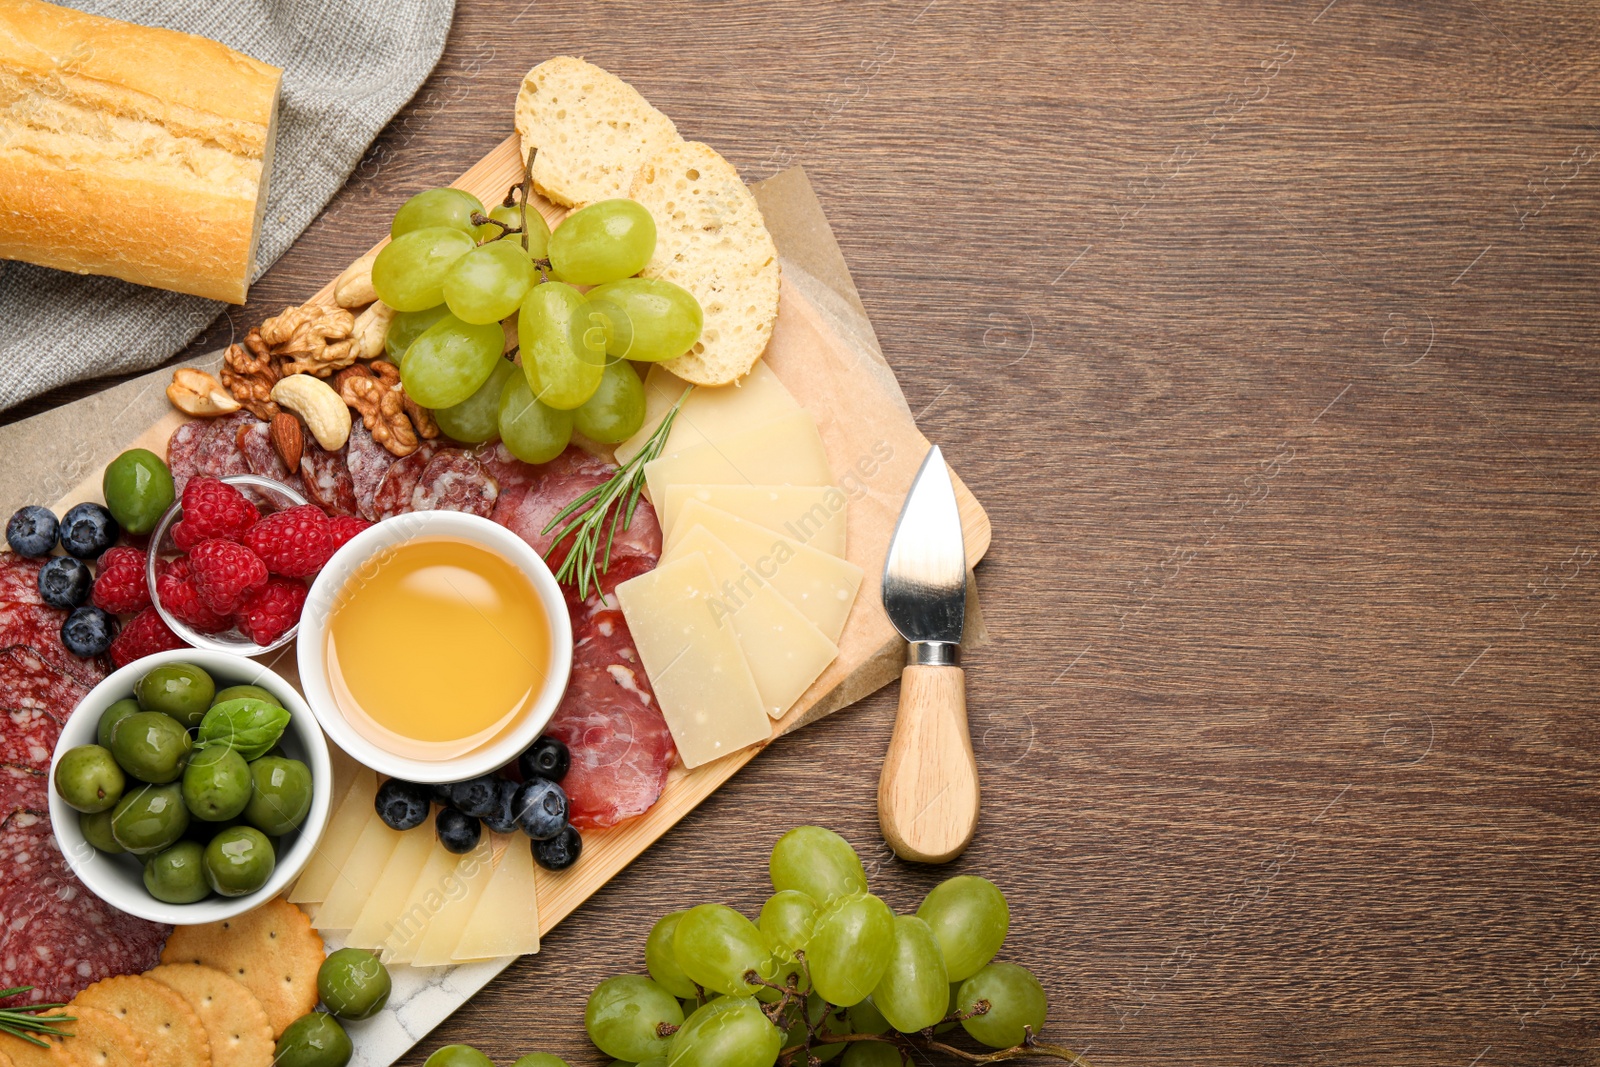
(118, 879)
(362, 551)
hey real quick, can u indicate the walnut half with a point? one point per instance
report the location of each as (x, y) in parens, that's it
(381, 402)
(311, 339)
(249, 373)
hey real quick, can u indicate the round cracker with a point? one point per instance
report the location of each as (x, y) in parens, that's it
(169, 1028)
(271, 951)
(19, 1053)
(100, 1039)
(235, 1021)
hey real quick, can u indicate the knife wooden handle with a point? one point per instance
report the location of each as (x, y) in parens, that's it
(928, 793)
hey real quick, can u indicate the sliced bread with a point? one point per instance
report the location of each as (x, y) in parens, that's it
(711, 239)
(592, 129)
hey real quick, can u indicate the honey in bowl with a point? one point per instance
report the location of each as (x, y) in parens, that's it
(436, 647)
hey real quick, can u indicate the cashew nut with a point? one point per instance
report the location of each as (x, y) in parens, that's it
(372, 329)
(318, 406)
(354, 288)
(194, 392)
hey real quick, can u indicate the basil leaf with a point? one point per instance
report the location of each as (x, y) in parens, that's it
(248, 726)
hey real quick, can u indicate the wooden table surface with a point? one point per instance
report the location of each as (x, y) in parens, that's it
(1264, 332)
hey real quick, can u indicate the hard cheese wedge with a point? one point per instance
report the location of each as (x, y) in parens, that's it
(351, 817)
(468, 880)
(433, 886)
(821, 586)
(710, 412)
(382, 910)
(506, 920)
(696, 667)
(358, 875)
(786, 451)
(807, 514)
(784, 652)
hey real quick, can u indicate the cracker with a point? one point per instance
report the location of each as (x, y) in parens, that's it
(19, 1053)
(100, 1039)
(271, 951)
(235, 1021)
(172, 1034)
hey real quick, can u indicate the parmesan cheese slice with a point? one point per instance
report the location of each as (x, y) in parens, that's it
(428, 894)
(784, 652)
(506, 920)
(786, 451)
(696, 667)
(348, 821)
(711, 412)
(468, 880)
(358, 875)
(821, 586)
(388, 898)
(807, 514)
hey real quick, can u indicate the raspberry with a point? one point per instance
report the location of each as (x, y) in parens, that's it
(268, 614)
(212, 508)
(225, 574)
(176, 591)
(294, 543)
(120, 587)
(345, 527)
(145, 635)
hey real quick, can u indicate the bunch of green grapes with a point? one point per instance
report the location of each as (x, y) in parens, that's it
(827, 967)
(454, 273)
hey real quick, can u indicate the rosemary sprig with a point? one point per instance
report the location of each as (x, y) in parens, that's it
(28, 1021)
(586, 517)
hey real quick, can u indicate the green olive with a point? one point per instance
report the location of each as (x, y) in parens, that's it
(280, 795)
(177, 875)
(458, 1056)
(138, 489)
(239, 860)
(254, 692)
(216, 784)
(152, 746)
(112, 717)
(96, 828)
(182, 690)
(353, 984)
(314, 1040)
(150, 818)
(88, 778)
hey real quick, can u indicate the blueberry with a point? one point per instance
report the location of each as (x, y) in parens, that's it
(32, 531)
(546, 758)
(478, 797)
(65, 582)
(458, 832)
(560, 852)
(503, 819)
(403, 805)
(541, 809)
(88, 631)
(88, 530)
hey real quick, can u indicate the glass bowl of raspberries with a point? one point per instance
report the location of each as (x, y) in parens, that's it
(230, 562)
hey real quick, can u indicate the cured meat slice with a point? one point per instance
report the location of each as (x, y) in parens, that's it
(39, 627)
(327, 479)
(19, 579)
(399, 482)
(513, 476)
(219, 455)
(454, 481)
(28, 736)
(367, 460)
(22, 789)
(183, 453)
(255, 444)
(28, 683)
(560, 482)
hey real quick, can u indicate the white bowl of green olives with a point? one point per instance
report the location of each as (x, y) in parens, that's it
(190, 786)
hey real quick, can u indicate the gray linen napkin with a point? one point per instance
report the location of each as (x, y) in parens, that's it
(348, 67)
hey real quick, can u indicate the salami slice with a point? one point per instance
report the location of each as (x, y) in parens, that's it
(19, 579)
(327, 479)
(255, 444)
(22, 788)
(219, 455)
(28, 737)
(560, 482)
(39, 627)
(367, 460)
(27, 682)
(183, 453)
(454, 481)
(399, 482)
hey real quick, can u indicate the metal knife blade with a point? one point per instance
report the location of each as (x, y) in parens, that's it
(925, 574)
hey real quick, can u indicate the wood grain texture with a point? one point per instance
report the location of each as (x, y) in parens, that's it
(928, 793)
(1264, 331)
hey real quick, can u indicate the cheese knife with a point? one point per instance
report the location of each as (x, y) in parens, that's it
(928, 792)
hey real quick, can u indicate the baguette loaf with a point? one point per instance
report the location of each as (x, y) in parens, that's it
(133, 152)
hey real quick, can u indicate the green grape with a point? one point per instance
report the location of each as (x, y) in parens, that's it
(616, 410)
(534, 432)
(563, 368)
(407, 326)
(786, 918)
(729, 1032)
(436, 207)
(913, 992)
(541, 1059)
(836, 1025)
(477, 418)
(623, 1015)
(451, 359)
(871, 1054)
(865, 1018)
(488, 283)
(716, 945)
(647, 319)
(603, 242)
(1016, 999)
(511, 215)
(850, 947)
(409, 273)
(818, 863)
(952, 1008)
(661, 957)
(969, 917)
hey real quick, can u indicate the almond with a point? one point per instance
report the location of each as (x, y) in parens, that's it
(288, 439)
